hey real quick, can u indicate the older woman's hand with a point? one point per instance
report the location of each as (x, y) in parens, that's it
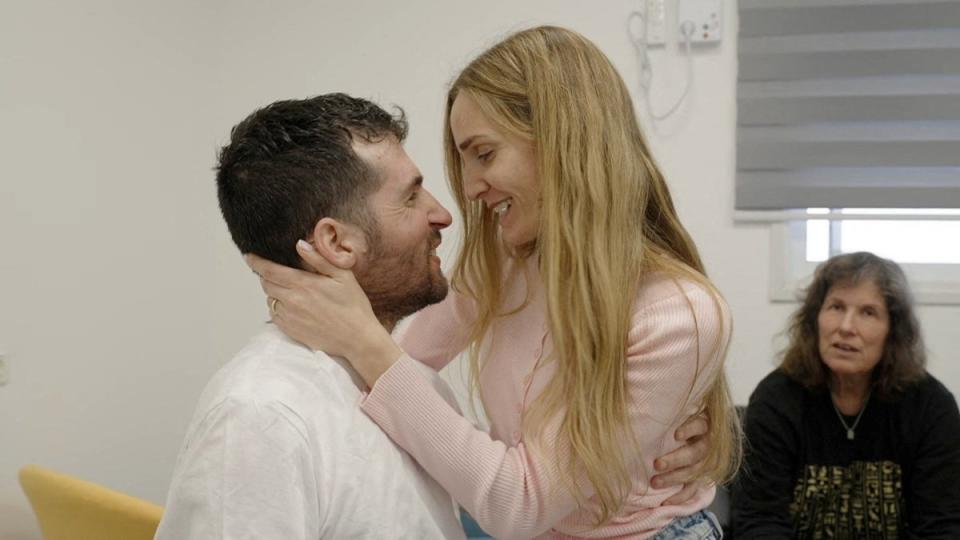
(326, 311)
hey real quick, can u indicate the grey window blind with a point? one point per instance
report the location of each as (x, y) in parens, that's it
(848, 103)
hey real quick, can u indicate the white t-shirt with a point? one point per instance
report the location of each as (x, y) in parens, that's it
(278, 448)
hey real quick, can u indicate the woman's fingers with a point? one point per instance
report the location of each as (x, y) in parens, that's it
(315, 260)
(325, 309)
(273, 306)
(282, 276)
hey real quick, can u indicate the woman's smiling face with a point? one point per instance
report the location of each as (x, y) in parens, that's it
(498, 169)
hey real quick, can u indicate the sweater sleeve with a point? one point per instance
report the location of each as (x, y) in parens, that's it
(932, 496)
(516, 492)
(438, 333)
(763, 490)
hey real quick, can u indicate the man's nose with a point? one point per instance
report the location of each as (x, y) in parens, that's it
(439, 216)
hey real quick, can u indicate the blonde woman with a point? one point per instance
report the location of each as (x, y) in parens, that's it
(592, 330)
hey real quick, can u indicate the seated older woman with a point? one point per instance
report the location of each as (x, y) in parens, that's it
(850, 437)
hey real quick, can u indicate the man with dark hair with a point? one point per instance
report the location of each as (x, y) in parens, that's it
(278, 447)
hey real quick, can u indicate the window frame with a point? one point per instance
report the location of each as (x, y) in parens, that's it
(932, 284)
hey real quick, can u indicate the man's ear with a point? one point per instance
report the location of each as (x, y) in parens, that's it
(338, 242)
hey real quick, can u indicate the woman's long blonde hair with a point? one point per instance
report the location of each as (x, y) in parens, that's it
(607, 221)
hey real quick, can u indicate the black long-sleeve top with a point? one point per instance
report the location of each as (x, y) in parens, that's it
(803, 478)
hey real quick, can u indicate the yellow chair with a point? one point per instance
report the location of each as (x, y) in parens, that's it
(68, 508)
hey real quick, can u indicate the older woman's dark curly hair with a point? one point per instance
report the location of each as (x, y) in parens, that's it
(904, 356)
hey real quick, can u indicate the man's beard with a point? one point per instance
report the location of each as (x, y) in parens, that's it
(399, 284)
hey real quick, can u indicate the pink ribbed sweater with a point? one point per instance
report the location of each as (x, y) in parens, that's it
(507, 487)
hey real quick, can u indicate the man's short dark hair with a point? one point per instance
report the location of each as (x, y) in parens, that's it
(292, 163)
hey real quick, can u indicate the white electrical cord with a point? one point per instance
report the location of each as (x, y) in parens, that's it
(645, 67)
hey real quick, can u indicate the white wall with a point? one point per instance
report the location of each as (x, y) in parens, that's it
(108, 239)
(120, 291)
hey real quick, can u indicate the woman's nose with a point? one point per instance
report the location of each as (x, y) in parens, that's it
(847, 323)
(473, 186)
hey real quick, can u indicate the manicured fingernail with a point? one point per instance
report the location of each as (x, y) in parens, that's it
(304, 245)
(659, 465)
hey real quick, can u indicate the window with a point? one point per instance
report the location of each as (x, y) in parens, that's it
(910, 241)
(926, 243)
(852, 105)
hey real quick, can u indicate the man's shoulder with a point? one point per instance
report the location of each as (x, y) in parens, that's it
(272, 368)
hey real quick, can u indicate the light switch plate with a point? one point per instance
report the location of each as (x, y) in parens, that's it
(655, 18)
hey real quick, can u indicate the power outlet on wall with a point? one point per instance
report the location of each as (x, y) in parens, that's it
(700, 19)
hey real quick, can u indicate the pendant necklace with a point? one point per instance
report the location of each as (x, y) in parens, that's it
(850, 429)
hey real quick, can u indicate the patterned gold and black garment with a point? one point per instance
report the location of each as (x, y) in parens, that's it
(861, 501)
